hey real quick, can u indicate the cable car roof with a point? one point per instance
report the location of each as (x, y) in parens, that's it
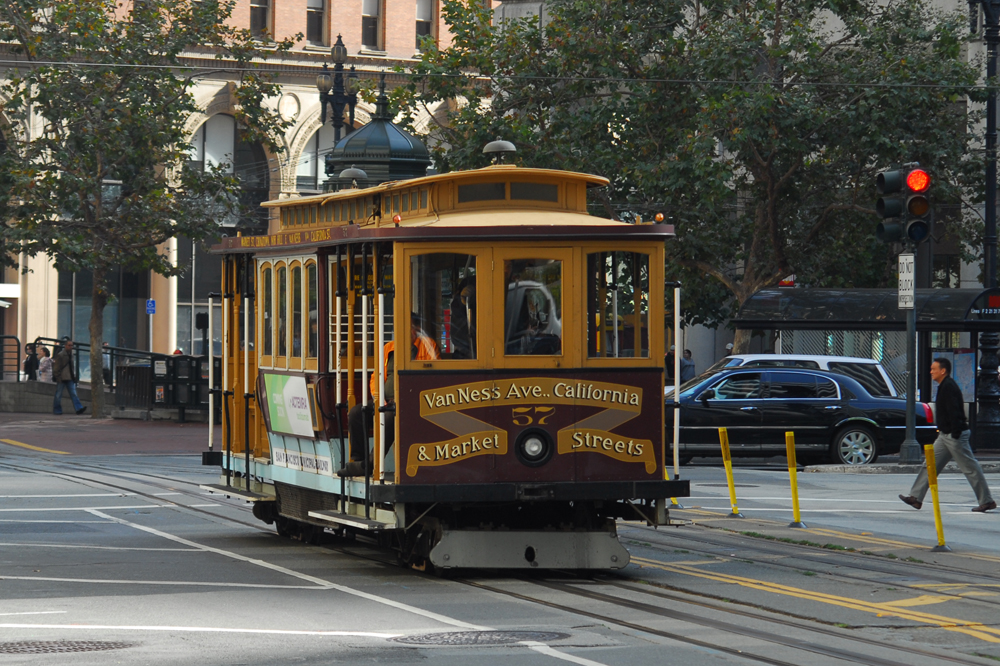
(501, 202)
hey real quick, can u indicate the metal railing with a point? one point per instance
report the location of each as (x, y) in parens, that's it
(10, 358)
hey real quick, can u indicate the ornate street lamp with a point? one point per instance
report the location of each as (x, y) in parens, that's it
(338, 91)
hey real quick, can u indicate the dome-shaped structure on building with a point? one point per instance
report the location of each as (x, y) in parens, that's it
(381, 149)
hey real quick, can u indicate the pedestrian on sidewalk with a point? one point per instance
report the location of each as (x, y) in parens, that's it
(64, 374)
(952, 441)
(44, 365)
(30, 363)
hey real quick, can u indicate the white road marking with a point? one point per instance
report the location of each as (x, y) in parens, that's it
(552, 652)
(74, 522)
(289, 572)
(58, 496)
(223, 630)
(62, 545)
(89, 508)
(36, 613)
(541, 648)
(182, 583)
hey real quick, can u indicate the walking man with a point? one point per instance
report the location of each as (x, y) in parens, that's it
(952, 441)
(64, 374)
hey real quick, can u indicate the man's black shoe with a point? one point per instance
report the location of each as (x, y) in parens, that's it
(914, 502)
(81, 410)
(983, 508)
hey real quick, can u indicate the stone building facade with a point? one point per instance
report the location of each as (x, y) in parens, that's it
(379, 35)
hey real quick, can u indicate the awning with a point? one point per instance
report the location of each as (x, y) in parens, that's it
(869, 309)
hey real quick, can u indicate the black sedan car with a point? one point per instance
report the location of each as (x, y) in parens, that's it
(833, 416)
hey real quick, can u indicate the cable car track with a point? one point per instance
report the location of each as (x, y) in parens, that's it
(889, 567)
(625, 582)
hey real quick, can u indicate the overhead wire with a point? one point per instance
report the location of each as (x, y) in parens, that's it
(231, 65)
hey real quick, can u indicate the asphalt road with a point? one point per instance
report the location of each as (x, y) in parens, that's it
(109, 553)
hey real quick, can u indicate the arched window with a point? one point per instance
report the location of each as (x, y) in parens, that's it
(312, 301)
(296, 311)
(268, 312)
(282, 307)
(311, 172)
(218, 142)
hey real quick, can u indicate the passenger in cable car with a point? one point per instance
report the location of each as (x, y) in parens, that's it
(356, 423)
(424, 348)
(531, 315)
(462, 304)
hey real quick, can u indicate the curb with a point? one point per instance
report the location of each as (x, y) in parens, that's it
(989, 467)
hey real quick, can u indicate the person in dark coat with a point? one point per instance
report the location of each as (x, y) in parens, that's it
(952, 441)
(64, 375)
(30, 364)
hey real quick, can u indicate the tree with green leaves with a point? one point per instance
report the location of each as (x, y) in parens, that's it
(756, 128)
(96, 147)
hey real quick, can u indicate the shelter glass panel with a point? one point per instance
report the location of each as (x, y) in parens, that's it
(443, 317)
(533, 307)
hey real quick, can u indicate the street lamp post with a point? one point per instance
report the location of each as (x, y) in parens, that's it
(337, 91)
(988, 386)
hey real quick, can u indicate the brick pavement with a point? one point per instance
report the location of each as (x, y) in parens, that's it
(83, 435)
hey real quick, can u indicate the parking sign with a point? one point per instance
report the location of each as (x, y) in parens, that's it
(150, 306)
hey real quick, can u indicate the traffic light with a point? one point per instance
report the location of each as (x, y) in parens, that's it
(904, 196)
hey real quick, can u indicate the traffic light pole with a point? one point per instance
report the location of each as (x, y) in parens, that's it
(909, 452)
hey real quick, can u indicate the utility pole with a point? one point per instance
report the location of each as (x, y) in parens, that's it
(987, 427)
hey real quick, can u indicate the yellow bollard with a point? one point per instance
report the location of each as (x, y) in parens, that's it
(727, 460)
(792, 470)
(932, 482)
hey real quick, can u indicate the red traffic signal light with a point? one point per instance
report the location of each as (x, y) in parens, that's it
(918, 180)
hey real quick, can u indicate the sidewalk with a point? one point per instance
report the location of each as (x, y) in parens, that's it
(83, 435)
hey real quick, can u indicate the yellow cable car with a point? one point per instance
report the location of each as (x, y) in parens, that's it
(461, 364)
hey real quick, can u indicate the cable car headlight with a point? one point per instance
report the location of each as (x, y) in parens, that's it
(534, 447)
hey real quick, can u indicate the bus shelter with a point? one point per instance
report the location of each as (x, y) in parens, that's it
(938, 312)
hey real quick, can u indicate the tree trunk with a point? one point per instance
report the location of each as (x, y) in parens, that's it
(741, 343)
(99, 298)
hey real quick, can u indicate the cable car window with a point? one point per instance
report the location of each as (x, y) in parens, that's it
(312, 296)
(268, 311)
(617, 305)
(423, 198)
(744, 386)
(280, 278)
(297, 312)
(533, 310)
(443, 316)
(482, 192)
(535, 192)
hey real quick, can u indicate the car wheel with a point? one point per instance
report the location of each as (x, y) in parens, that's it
(854, 445)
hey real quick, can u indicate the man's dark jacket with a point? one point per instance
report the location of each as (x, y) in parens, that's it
(950, 414)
